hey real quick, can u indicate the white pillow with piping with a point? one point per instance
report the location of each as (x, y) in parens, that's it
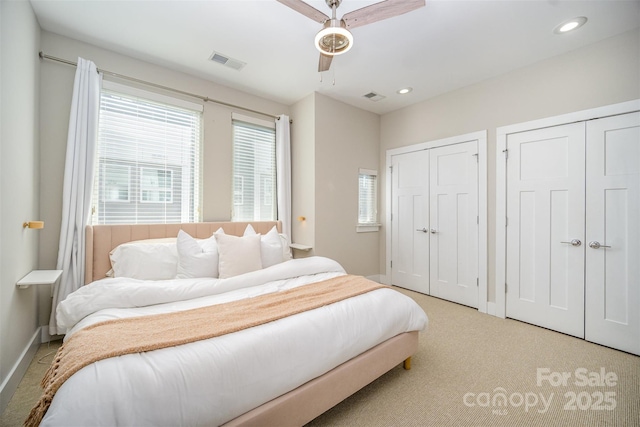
(196, 257)
(271, 249)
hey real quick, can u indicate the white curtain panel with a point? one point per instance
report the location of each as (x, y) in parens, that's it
(283, 173)
(78, 183)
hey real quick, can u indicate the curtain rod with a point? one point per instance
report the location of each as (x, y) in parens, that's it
(170, 89)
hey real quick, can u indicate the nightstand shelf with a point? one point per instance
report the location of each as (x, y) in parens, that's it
(300, 247)
(39, 277)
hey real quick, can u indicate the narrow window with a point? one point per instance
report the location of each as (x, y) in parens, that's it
(367, 200)
(254, 170)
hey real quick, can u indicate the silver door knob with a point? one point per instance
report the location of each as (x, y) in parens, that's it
(574, 242)
(433, 231)
(424, 230)
(596, 245)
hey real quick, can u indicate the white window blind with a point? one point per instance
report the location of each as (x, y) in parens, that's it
(367, 197)
(148, 161)
(254, 172)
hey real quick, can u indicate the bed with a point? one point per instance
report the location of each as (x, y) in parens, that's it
(283, 372)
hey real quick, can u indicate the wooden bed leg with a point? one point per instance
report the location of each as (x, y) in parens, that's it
(407, 363)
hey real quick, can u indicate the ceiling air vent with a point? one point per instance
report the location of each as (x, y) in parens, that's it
(374, 96)
(226, 61)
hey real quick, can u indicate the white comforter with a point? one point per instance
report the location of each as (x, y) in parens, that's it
(213, 381)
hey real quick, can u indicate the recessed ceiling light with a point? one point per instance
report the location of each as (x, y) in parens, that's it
(404, 90)
(570, 25)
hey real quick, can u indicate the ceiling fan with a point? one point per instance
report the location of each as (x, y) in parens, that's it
(335, 37)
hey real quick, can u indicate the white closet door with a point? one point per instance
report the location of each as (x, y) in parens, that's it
(545, 212)
(410, 220)
(453, 223)
(613, 232)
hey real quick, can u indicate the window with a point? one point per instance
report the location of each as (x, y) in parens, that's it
(156, 185)
(367, 200)
(148, 158)
(254, 170)
(238, 190)
(117, 183)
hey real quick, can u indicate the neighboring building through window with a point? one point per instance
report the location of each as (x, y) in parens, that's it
(117, 183)
(254, 170)
(367, 200)
(148, 156)
(156, 185)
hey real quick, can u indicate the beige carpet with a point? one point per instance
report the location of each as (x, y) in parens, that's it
(29, 390)
(466, 353)
(466, 363)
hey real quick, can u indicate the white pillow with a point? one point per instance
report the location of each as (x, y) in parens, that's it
(151, 259)
(238, 255)
(286, 250)
(270, 246)
(196, 258)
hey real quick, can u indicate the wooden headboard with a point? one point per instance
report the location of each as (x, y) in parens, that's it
(102, 239)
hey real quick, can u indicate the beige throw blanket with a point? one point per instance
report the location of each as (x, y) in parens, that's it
(133, 335)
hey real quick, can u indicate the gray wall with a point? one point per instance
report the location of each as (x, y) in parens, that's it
(330, 142)
(303, 173)
(347, 138)
(601, 74)
(19, 191)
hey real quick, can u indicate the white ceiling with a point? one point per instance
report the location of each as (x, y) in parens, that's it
(441, 47)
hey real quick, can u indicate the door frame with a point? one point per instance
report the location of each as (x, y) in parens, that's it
(481, 138)
(499, 307)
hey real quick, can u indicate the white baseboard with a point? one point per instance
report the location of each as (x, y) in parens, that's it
(384, 279)
(10, 384)
(491, 308)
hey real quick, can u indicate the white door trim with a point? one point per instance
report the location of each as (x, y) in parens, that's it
(481, 137)
(501, 178)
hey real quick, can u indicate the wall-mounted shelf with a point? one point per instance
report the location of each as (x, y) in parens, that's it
(300, 247)
(39, 277)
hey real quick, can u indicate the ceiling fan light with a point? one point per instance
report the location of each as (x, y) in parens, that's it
(333, 39)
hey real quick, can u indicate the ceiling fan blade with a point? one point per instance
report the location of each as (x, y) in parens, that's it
(379, 11)
(306, 10)
(325, 62)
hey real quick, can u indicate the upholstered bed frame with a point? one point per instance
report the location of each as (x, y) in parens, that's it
(306, 402)
(102, 239)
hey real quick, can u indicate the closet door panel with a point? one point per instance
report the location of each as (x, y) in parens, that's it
(545, 214)
(453, 196)
(410, 215)
(613, 221)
